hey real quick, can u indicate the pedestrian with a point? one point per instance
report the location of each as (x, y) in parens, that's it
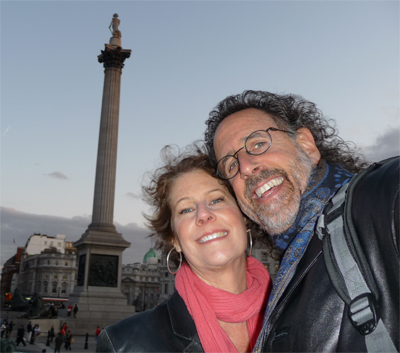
(64, 329)
(10, 327)
(2, 329)
(20, 336)
(75, 310)
(68, 339)
(35, 333)
(58, 343)
(52, 334)
(97, 333)
(69, 310)
(29, 331)
(37, 330)
(33, 337)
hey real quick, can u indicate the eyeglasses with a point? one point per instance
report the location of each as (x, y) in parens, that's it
(258, 142)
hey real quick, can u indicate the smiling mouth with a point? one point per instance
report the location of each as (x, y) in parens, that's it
(268, 186)
(212, 236)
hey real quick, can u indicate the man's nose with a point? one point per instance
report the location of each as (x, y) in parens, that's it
(249, 165)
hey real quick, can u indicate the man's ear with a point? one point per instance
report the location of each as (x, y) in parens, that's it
(306, 141)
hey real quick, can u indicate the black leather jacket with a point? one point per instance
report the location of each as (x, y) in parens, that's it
(166, 328)
(310, 316)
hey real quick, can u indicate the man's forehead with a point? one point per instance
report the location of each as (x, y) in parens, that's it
(235, 128)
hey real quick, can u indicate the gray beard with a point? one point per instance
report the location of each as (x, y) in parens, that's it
(278, 216)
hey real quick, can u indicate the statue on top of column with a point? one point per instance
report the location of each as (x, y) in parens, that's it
(115, 24)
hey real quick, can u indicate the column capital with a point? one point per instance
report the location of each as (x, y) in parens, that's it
(113, 56)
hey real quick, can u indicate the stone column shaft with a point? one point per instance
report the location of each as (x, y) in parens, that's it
(104, 193)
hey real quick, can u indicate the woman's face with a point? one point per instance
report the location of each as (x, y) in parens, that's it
(209, 227)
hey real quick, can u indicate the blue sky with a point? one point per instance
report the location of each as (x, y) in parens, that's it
(186, 57)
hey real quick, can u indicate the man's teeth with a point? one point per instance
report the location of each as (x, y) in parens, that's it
(212, 236)
(269, 185)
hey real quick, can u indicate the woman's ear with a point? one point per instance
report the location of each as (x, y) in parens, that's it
(305, 140)
(175, 244)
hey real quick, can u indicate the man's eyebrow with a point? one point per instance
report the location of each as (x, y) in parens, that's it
(241, 141)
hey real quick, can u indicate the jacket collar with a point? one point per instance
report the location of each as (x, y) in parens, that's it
(181, 321)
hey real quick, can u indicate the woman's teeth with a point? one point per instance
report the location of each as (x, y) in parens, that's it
(212, 236)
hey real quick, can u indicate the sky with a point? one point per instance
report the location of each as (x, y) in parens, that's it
(186, 57)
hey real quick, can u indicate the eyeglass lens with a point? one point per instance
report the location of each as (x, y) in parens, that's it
(257, 143)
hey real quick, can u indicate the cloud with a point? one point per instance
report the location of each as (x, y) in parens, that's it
(58, 175)
(20, 226)
(385, 146)
(134, 196)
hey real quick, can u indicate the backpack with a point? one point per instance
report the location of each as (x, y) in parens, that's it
(348, 269)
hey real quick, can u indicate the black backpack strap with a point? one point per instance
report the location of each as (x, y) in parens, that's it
(349, 270)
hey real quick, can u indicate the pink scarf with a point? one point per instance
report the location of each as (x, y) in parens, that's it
(207, 305)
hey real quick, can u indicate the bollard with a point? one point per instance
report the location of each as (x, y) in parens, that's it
(86, 341)
(48, 338)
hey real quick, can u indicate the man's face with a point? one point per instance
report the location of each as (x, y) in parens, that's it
(268, 186)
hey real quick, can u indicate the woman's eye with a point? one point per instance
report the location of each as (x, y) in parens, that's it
(186, 210)
(219, 199)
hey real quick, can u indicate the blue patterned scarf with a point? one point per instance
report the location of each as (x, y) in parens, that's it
(324, 181)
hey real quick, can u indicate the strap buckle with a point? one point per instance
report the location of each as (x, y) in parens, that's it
(362, 313)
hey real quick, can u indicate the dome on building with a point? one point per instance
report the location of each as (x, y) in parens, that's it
(151, 257)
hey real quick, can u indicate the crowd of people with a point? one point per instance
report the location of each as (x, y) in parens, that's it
(29, 334)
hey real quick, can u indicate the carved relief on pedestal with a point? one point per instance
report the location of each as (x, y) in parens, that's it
(103, 271)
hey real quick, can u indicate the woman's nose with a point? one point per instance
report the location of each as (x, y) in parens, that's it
(204, 214)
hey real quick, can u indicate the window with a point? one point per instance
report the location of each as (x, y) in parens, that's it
(66, 263)
(48, 262)
(166, 288)
(45, 243)
(55, 276)
(65, 277)
(166, 274)
(57, 263)
(45, 287)
(47, 276)
(54, 288)
(64, 288)
(59, 243)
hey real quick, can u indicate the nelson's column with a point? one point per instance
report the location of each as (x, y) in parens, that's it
(98, 290)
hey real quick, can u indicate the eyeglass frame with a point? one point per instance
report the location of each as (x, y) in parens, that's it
(218, 174)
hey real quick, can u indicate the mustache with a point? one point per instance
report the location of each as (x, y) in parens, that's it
(252, 182)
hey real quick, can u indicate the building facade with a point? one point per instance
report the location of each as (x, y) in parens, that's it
(141, 282)
(9, 273)
(48, 267)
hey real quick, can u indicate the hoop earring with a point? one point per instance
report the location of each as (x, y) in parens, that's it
(251, 242)
(180, 261)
